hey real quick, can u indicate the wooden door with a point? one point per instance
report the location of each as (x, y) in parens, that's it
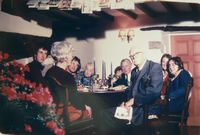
(188, 48)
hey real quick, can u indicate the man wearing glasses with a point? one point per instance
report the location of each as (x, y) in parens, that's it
(146, 83)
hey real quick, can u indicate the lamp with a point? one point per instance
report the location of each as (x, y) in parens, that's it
(126, 34)
(130, 35)
(122, 34)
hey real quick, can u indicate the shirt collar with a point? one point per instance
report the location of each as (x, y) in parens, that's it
(142, 65)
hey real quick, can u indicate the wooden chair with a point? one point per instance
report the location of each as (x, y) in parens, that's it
(168, 121)
(60, 94)
(181, 119)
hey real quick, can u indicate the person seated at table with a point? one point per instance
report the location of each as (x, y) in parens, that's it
(117, 79)
(36, 67)
(144, 90)
(127, 67)
(166, 79)
(75, 66)
(85, 77)
(178, 85)
(62, 54)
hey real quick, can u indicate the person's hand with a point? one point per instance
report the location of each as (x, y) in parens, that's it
(162, 97)
(129, 103)
(114, 80)
(82, 88)
(88, 108)
(122, 104)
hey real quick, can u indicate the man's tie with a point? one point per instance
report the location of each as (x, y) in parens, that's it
(134, 74)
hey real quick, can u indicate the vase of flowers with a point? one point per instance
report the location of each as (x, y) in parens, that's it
(26, 108)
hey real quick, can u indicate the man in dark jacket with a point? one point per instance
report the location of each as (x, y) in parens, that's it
(36, 67)
(146, 83)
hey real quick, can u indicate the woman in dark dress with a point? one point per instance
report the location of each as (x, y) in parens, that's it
(174, 88)
(62, 54)
(178, 85)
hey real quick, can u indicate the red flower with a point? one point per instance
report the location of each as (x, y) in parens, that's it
(41, 96)
(9, 92)
(60, 131)
(28, 128)
(52, 125)
(6, 56)
(14, 86)
(21, 96)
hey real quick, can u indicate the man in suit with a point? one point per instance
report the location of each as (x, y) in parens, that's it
(127, 67)
(146, 84)
(144, 90)
(124, 71)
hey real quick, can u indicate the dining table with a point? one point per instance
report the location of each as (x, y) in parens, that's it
(100, 99)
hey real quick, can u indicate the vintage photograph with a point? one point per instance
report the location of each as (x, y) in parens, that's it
(99, 67)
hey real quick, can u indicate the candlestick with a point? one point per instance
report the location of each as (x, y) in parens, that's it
(111, 69)
(102, 73)
(94, 67)
(103, 70)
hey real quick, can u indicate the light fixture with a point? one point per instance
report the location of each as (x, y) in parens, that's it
(122, 34)
(126, 34)
(86, 6)
(130, 35)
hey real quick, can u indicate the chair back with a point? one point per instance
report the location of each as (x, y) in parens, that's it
(166, 123)
(60, 97)
(188, 95)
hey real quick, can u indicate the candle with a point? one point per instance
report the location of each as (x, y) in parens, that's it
(111, 69)
(103, 70)
(94, 67)
(102, 73)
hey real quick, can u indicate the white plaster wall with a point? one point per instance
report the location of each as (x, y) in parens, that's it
(112, 49)
(15, 24)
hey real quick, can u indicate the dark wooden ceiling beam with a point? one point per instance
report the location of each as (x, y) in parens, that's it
(185, 16)
(194, 8)
(53, 13)
(83, 19)
(129, 13)
(172, 28)
(65, 14)
(170, 8)
(149, 11)
(77, 13)
(105, 16)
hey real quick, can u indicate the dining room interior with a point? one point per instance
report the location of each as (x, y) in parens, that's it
(103, 31)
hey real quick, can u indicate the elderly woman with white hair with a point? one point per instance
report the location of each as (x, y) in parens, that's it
(62, 54)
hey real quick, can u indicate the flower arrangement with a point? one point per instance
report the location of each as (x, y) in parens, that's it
(25, 106)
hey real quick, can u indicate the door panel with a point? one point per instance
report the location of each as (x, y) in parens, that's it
(188, 48)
